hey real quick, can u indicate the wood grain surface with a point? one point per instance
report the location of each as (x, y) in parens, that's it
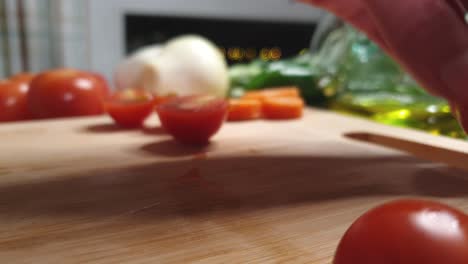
(84, 191)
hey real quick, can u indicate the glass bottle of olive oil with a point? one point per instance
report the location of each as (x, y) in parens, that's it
(360, 79)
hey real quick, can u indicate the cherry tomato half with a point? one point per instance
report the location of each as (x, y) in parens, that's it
(406, 232)
(162, 99)
(129, 108)
(193, 119)
(13, 101)
(65, 93)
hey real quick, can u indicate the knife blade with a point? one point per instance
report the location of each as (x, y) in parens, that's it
(449, 157)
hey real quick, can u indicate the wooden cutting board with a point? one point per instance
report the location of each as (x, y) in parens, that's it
(74, 191)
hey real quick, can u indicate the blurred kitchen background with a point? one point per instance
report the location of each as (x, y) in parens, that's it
(37, 35)
(267, 43)
(97, 34)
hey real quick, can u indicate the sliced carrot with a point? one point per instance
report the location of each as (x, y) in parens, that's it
(254, 95)
(273, 92)
(283, 108)
(244, 109)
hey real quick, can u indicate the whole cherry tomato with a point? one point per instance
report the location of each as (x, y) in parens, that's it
(65, 93)
(193, 119)
(13, 101)
(105, 89)
(129, 108)
(406, 232)
(24, 77)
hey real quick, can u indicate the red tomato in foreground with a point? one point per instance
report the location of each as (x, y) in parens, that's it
(193, 119)
(129, 108)
(406, 232)
(25, 77)
(13, 101)
(65, 93)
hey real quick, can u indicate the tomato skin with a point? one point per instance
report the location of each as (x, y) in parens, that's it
(406, 232)
(192, 125)
(24, 77)
(13, 101)
(130, 108)
(104, 84)
(65, 93)
(162, 99)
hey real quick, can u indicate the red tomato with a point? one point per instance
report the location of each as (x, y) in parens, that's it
(406, 232)
(105, 89)
(162, 99)
(129, 108)
(13, 101)
(23, 77)
(193, 119)
(65, 93)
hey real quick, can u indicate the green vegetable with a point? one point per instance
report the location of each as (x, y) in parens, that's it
(293, 72)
